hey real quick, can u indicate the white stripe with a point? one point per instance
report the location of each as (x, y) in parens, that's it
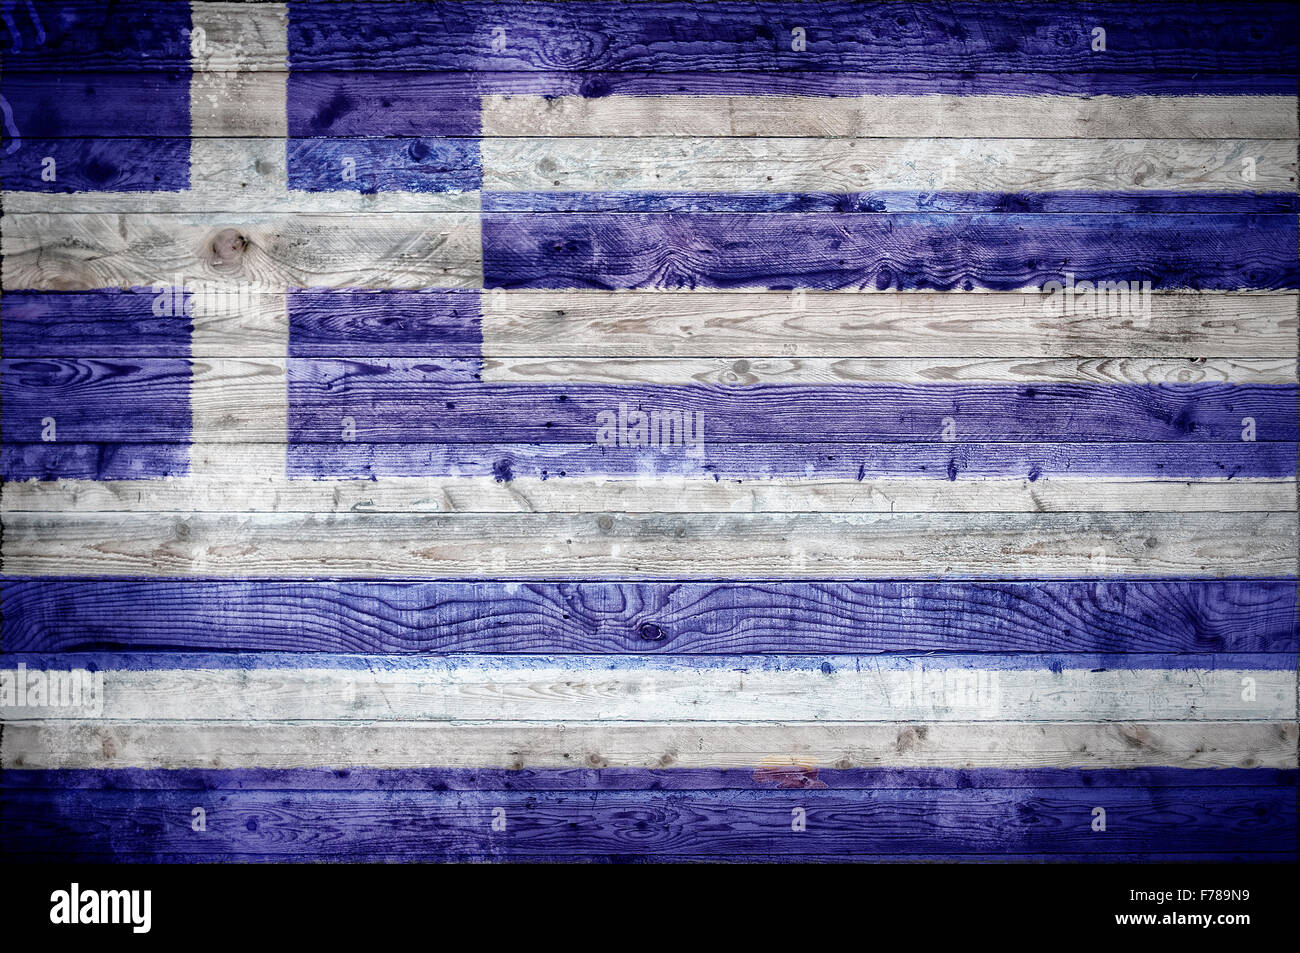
(233, 484)
(652, 546)
(51, 745)
(262, 37)
(880, 324)
(757, 165)
(608, 689)
(741, 373)
(1018, 117)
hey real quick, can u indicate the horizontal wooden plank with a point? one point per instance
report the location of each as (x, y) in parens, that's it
(728, 36)
(772, 774)
(401, 400)
(78, 35)
(1057, 202)
(100, 745)
(941, 114)
(236, 322)
(273, 250)
(675, 546)
(306, 104)
(442, 825)
(710, 324)
(893, 250)
(236, 175)
(722, 36)
(614, 688)
(848, 166)
(212, 490)
(746, 476)
(401, 617)
(69, 252)
(744, 372)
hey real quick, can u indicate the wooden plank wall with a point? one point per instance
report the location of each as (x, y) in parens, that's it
(312, 317)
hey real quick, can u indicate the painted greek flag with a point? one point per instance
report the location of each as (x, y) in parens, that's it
(653, 431)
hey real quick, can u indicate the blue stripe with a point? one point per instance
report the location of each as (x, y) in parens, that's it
(447, 825)
(384, 165)
(396, 617)
(348, 104)
(886, 251)
(433, 322)
(81, 34)
(88, 400)
(93, 461)
(675, 36)
(614, 666)
(101, 165)
(112, 323)
(53, 106)
(887, 201)
(401, 400)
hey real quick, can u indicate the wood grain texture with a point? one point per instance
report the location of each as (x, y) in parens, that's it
(730, 36)
(72, 252)
(72, 744)
(674, 36)
(532, 546)
(1039, 105)
(944, 647)
(940, 252)
(272, 250)
(744, 372)
(400, 617)
(651, 493)
(406, 826)
(612, 688)
(845, 166)
(402, 400)
(772, 774)
(226, 175)
(604, 324)
(781, 468)
(885, 324)
(940, 114)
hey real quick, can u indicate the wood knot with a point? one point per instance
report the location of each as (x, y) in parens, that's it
(650, 632)
(226, 249)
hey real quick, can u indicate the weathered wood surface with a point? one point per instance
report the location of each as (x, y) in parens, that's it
(605, 324)
(612, 688)
(1187, 744)
(671, 37)
(431, 104)
(403, 400)
(437, 174)
(844, 166)
(70, 252)
(590, 545)
(212, 492)
(294, 628)
(274, 250)
(405, 826)
(1199, 117)
(705, 618)
(775, 773)
(744, 372)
